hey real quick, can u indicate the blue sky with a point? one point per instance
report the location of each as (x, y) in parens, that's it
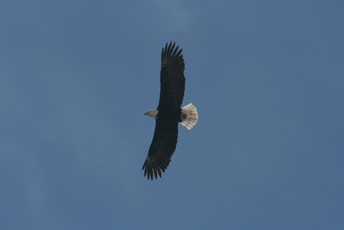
(265, 76)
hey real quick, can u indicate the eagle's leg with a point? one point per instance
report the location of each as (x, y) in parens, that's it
(182, 116)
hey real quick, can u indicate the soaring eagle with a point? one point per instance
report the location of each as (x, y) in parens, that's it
(168, 113)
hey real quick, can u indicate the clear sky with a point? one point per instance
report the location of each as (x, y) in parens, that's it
(266, 76)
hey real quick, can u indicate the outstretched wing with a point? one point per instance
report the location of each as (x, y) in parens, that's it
(162, 148)
(172, 85)
(172, 78)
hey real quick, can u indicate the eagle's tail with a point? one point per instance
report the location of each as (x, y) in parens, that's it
(189, 116)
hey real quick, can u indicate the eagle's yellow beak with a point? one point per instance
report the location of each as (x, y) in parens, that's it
(146, 113)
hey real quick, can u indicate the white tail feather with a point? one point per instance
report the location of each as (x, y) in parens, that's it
(191, 116)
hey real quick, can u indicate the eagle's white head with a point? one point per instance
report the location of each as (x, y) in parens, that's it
(151, 113)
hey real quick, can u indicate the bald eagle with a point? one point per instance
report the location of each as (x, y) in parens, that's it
(169, 112)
